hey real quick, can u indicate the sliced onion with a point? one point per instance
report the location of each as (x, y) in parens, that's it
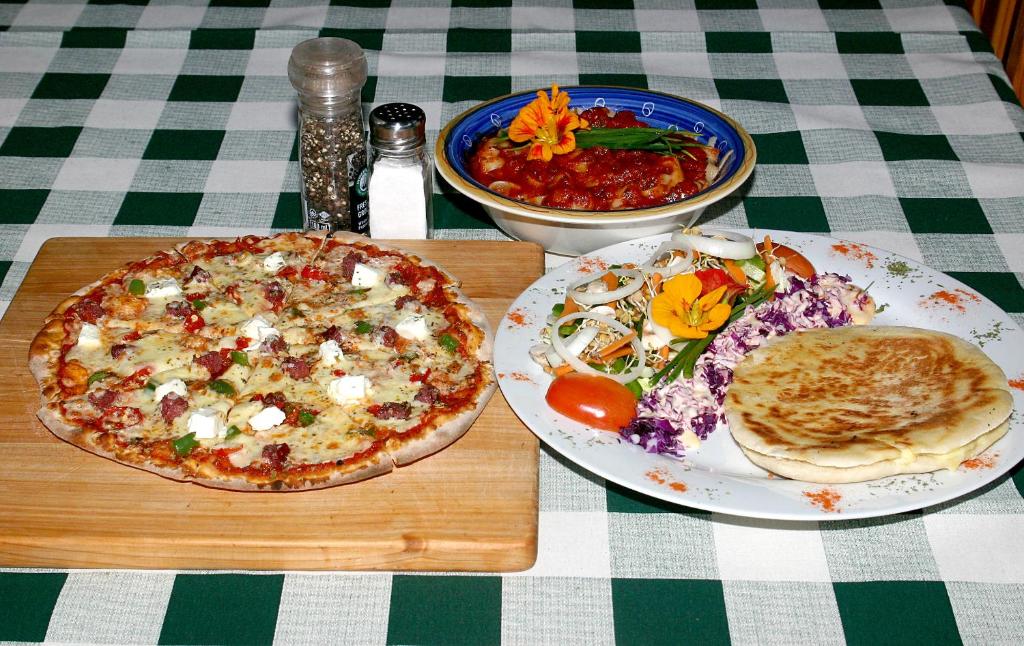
(581, 366)
(575, 343)
(660, 331)
(675, 265)
(718, 243)
(598, 298)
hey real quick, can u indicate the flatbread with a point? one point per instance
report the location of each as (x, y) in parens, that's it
(857, 403)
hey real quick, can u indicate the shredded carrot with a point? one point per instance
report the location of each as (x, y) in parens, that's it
(571, 306)
(662, 357)
(621, 352)
(563, 369)
(735, 271)
(768, 245)
(611, 281)
(615, 345)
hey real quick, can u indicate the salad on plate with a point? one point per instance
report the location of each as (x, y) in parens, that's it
(647, 349)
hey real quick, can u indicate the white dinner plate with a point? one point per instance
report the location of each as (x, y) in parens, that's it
(717, 477)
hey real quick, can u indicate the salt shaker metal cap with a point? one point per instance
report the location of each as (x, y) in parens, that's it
(327, 67)
(397, 127)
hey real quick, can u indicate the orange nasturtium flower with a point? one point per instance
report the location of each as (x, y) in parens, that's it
(548, 123)
(681, 309)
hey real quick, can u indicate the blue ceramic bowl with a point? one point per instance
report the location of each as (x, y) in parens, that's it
(574, 232)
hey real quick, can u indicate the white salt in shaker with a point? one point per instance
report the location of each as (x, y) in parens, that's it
(400, 170)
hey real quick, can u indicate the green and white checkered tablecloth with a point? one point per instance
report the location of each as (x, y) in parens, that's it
(889, 123)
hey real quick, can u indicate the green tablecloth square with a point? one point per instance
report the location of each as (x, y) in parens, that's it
(602, 4)
(977, 41)
(222, 609)
(889, 92)
(361, 3)
(366, 38)
(222, 39)
(239, 3)
(184, 144)
(22, 206)
(140, 3)
(737, 42)
(944, 215)
(89, 37)
(479, 40)
(897, 146)
(771, 90)
(189, 87)
(669, 611)
(482, 3)
(862, 42)
(39, 142)
(26, 602)
(1018, 471)
(166, 208)
(860, 5)
(474, 88)
(1004, 91)
(1004, 289)
(780, 148)
(288, 212)
(797, 213)
(896, 612)
(628, 80)
(715, 5)
(456, 211)
(60, 85)
(607, 41)
(445, 610)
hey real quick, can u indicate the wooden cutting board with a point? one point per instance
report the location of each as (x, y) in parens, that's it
(473, 506)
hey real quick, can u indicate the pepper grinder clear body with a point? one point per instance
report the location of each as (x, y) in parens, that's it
(401, 184)
(329, 74)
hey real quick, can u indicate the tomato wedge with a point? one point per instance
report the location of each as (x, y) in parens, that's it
(791, 258)
(592, 400)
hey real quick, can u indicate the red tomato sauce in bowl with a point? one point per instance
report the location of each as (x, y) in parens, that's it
(594, 179)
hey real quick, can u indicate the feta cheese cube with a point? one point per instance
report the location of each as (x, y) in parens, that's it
(274, 262)
(330, 353)
(163, 288)
(267, 418)
(366, 276)
(349, 388)
(258, 330)
(206, 423)
(413, 328)
(89, 336)
(176, 386)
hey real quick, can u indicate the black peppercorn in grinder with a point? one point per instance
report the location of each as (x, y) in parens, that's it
(329, 74)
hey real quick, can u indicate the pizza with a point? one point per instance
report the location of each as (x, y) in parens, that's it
(297, 361)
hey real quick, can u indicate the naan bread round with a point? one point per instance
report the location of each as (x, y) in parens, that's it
(857, 403)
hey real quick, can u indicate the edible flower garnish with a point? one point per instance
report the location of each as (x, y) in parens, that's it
(548, 123)
(686, 313)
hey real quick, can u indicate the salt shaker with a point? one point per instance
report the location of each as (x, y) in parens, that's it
(400, 173)
(329, 74)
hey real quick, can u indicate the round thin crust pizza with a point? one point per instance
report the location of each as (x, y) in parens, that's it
(297, 361)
